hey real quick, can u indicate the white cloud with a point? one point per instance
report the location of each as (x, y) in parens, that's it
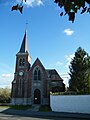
(68, 32)
(31, 3)
(6, 80)
(58, 63)
(69, 58)
(7, 75)
(28, 3)
(39, 2)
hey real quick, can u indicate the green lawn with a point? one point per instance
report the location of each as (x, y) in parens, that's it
(17, 107)
(45, 108)
(20, 107)
(4, 106)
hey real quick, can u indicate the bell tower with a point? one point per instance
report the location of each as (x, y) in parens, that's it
(23, 58)
(23, 64)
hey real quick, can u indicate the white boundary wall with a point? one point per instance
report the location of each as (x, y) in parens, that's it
(70, 103)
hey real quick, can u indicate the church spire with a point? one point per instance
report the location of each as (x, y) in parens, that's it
(24, 45)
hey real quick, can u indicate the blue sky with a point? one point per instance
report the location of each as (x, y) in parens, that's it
(52, 38)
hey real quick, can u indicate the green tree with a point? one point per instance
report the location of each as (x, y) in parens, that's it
(70, 7)
(80, 72)
(5, 95)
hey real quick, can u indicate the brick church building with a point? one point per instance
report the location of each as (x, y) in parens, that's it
(32, 83)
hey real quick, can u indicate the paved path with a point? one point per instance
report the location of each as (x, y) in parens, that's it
(3, 109)
(16, 117)
(45, 114)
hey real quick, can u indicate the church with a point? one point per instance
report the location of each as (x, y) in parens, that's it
(32, 84)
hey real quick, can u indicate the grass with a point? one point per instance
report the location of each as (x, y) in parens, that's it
(44, 108)
(20, 107)
(4, 106)
(16, 107)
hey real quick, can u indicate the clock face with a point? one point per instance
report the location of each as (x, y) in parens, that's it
(21, 73)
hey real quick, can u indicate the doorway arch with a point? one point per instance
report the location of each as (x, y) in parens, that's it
(37, 96)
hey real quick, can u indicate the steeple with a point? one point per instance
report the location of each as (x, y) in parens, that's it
(24, 45)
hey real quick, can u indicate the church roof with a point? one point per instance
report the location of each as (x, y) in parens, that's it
(53, 74)
(24, 45)
(52, 71)
(38, 62)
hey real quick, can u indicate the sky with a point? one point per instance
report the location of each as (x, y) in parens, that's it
(51, 38)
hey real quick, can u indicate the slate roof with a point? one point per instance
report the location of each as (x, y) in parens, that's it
(24, 45)
(53, 74)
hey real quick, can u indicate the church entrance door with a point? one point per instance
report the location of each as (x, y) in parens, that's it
(37, 96)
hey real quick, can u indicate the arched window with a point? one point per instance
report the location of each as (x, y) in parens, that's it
(37, 74)
(20, 62)
(23, 62)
